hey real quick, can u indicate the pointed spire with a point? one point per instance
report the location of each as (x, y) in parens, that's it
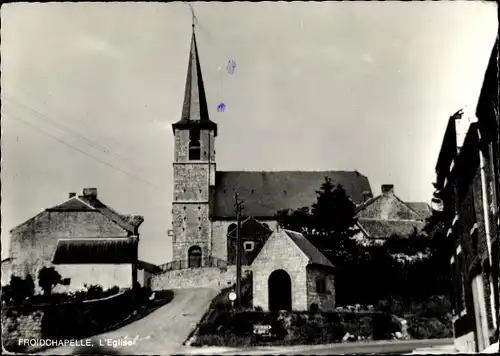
(194, 108)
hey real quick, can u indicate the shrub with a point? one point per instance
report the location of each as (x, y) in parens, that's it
(93, 291)
(384, 326)
(18, 289)
(48, 278)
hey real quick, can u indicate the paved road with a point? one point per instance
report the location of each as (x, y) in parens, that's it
(160, 333)
(379, 347)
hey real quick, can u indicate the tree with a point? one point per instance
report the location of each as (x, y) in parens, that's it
(333, 220)
(48, 278)
(296, 220)
(329, 224)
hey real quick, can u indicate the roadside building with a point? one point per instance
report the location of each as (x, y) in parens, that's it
(290, 273)
(464, 184)
(84, 239)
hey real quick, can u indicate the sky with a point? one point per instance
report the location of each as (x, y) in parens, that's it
(89, 92)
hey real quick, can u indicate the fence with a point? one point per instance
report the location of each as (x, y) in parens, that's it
(185, 264)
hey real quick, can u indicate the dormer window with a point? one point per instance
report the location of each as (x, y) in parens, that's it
(194, 145)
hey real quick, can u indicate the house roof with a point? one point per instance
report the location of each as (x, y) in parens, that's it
(315, 256)
(114, 250)
(421, 208)
(251, 228)
(264, 193)
(194, 108)
(378, 228)
(82, 203)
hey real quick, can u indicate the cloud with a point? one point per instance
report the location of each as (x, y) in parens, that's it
(89, 45)
(366, 58)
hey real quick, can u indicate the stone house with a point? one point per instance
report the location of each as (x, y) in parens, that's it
(290, 273)
(203, 198)
(465, 185)
(84, 239)
(386, 215)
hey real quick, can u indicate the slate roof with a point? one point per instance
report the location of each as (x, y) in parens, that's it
(315, 256)
(82, 203)
(251, 228)
(421, 208)
(264, 193)
(114, 250)
(194, 108)
(380, 229)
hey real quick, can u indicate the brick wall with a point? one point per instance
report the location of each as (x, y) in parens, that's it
(33, 245)
(280, 253)
(325, 301)
(208, 277)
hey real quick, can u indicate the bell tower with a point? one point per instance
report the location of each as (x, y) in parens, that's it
(194, 170)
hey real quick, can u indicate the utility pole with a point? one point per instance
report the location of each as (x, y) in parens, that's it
(238, 206)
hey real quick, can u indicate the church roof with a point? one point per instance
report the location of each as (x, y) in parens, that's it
(315, 256)
(265, 193)
(194, 108)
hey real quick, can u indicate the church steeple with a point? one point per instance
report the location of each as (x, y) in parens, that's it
(194, 108)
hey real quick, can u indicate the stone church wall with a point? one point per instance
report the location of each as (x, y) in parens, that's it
(208, 277)
(191, 228)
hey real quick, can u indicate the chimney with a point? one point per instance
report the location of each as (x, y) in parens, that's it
(366, 195)
(388, 189)
(90, 192)
(71, 195)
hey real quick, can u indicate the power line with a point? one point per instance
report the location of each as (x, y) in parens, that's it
(70, 131)
(81, 151)
(107, 137)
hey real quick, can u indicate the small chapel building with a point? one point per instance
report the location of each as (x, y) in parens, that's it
(203, 214)
(290, 273)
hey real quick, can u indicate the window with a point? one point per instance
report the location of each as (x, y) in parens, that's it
(230, 229)
(320, 285)
(474, 237)
(194, 145)
(248, 246)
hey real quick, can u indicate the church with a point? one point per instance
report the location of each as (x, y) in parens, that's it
(203, 211)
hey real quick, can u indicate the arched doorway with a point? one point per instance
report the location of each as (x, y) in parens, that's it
(194, 257)
(280, 291)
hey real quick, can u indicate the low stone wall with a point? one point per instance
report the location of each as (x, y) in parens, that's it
(20, 324)
(207, 277)
(73, 320)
